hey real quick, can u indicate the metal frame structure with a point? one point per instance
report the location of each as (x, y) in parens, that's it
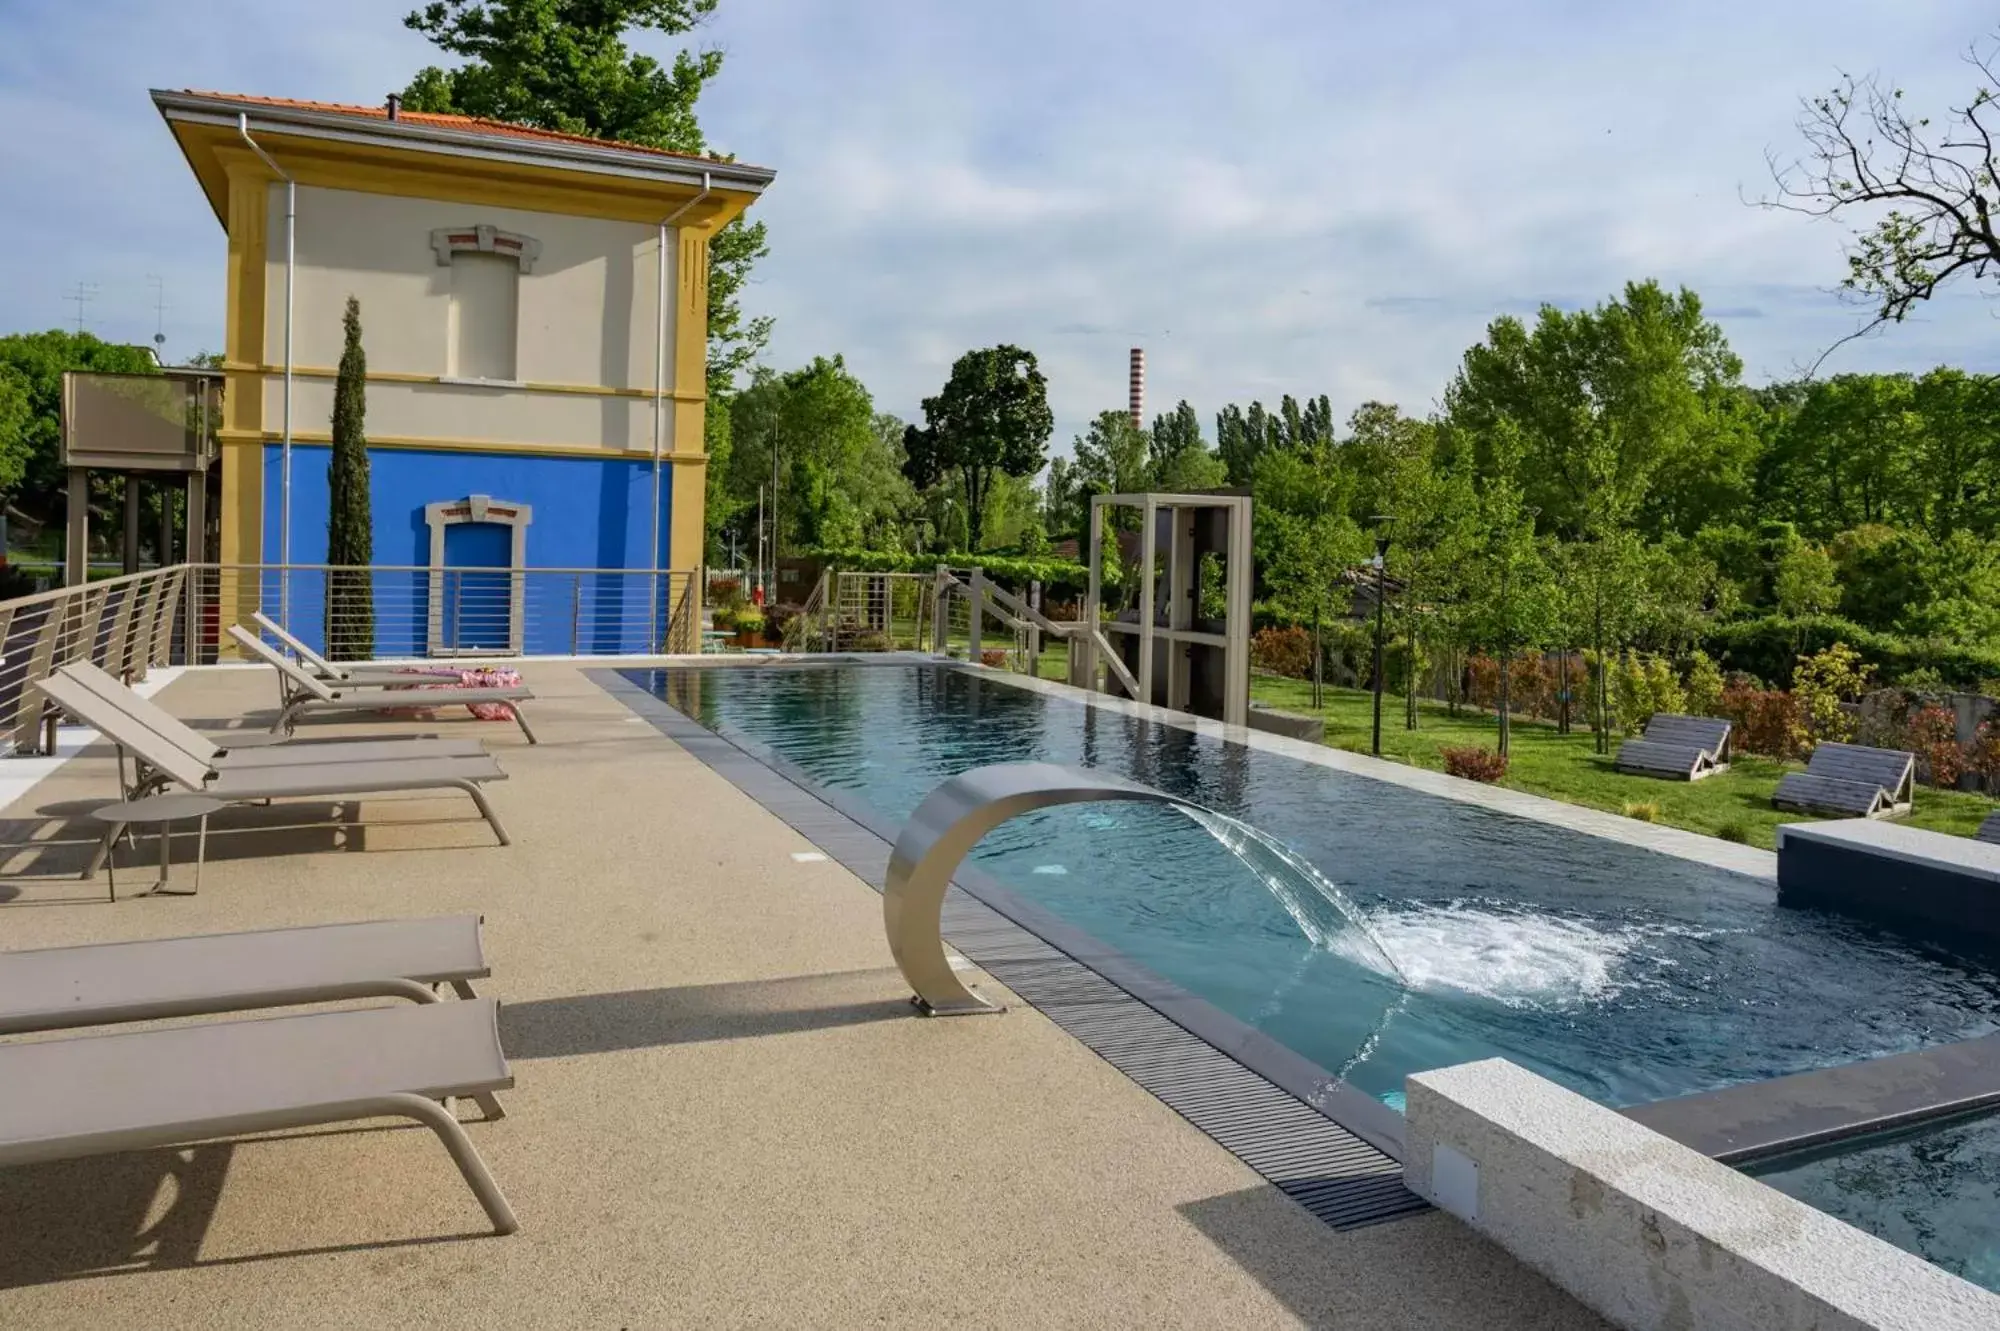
(192, 455)
(1181, 579)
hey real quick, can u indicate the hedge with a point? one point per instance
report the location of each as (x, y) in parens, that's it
(1770, 646)
(1055, 575)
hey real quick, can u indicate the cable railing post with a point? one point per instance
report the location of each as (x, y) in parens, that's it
(575, 613)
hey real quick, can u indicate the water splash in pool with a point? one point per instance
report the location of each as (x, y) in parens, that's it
(1500, 951)
(1323, 912)
(1514, 955)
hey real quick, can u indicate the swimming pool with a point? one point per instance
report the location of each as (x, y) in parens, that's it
(1622, 973)
(1933, 1190)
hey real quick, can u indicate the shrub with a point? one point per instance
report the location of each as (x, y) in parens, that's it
(871, 642)
(1983, 754)
(778, 617)
(1640, 686)
(1475, 764)
(1734, 830)
(728, 592)
(1821, 683)
(750, 622)
(1933, 737)
(1646, 811)
(724, 616)
(1766, 721)
(1283, 651)
(1704, 685)
(1767, 646)
(993, 656)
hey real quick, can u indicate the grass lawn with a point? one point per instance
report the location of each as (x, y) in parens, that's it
(1564, 767)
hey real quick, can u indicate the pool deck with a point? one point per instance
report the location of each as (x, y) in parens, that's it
(725, 1113)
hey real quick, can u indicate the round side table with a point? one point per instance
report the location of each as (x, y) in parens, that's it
(164, 811)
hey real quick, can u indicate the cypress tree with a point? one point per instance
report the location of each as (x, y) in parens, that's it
(350, 598)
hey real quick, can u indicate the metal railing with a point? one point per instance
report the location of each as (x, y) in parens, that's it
(126, 625)
(180, 615)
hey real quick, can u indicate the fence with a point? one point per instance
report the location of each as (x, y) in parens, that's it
(179, 615)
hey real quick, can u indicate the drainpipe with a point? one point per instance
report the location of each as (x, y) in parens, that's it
(285, 448)
(660, 395)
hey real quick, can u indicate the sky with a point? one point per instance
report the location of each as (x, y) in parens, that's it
(1269, 196)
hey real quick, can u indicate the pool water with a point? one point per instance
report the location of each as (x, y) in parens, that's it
(1624, 974)
(1934, 1191)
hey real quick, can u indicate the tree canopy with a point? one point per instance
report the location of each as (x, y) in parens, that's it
(990, 419)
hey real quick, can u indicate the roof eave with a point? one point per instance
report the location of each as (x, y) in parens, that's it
(190, 108)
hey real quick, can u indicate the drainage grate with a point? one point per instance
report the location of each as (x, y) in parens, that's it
(1332, 1173)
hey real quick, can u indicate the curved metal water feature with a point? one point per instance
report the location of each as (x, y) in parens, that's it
(952, 819)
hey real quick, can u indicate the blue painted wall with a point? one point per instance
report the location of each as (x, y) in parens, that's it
(587, 514)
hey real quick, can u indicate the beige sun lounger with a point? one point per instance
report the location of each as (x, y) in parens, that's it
(204, 748)
(142, 1090)
(307, 693)
(162, 764)
(102, 984)
(313, 663)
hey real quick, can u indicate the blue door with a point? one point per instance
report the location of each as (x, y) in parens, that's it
(478, 602)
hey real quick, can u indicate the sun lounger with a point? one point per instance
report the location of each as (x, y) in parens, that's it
(202, 747)
(1990, 829)
(313, 663)
(162, 764)
(1851, 780)
(1680, 748)
(142, 1090)
(101, 984)
(307, 694)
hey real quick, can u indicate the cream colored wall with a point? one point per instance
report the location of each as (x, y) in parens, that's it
(475, 414)
(587, 316)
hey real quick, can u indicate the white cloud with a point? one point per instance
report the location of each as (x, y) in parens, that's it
(1271, 196)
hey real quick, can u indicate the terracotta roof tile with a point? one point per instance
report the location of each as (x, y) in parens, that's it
(469, 124)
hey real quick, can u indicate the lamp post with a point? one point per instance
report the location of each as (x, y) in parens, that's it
(1381, 523)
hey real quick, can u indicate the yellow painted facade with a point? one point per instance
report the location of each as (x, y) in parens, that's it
(588, 311)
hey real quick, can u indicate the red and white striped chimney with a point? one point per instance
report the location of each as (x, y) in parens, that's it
(1138, 388)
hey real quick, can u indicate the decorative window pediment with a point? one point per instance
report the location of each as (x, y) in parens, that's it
(482, 239)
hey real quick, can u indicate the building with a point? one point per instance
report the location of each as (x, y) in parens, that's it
(534, 310)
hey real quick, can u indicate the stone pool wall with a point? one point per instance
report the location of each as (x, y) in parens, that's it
(1648, 1232)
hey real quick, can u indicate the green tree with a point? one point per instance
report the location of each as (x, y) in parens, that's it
(17, 415)
(350, 528)
(991, 418)
(1178, 459)
(1609, 404)
(1062, 499)
(1835, 463)
(1950, 472)
(564, 65)
(1804, 581)
(838, 472)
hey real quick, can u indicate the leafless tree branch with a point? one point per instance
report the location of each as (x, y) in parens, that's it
(1927, 197)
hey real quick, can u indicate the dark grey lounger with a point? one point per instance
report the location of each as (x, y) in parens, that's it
(1680, 748)
(101, 984)
(140, 1090)
(1990, 829)
(1852, 780)
(308, 693)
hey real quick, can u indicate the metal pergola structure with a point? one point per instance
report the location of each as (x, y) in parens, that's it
(1167, 653)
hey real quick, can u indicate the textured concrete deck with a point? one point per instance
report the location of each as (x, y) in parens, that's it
(725, 1113)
